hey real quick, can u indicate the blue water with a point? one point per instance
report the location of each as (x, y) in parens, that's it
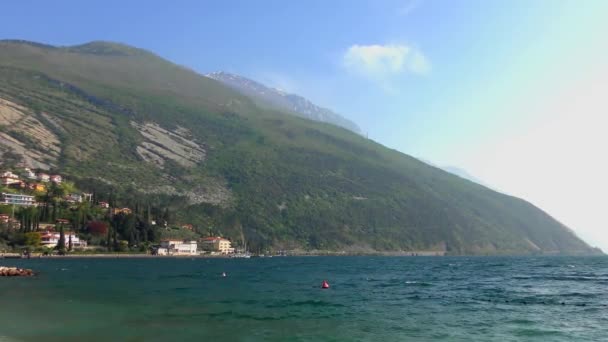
(279, 299)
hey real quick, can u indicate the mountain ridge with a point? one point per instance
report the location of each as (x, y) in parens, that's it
(131, 127)
(283, 100)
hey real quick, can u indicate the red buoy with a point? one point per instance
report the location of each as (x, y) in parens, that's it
(325, 284)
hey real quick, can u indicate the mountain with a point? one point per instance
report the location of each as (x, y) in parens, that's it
(464, 174)
(130, 126)
(289, 103)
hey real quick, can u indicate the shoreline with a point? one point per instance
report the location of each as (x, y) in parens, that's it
(207, 256)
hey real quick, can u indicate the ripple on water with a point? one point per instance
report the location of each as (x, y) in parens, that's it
(311, 302)
(390, 299)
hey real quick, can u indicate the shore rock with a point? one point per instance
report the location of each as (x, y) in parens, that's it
(15, 272)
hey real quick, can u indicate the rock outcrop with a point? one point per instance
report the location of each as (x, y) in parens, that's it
(15, 272)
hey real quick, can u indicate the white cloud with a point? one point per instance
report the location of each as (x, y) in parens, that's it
(380, 62)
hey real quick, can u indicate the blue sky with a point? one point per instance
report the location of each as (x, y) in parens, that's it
(512, 91)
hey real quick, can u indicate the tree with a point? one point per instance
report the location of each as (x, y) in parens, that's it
(108, 240)
(61, 243)
(32, 239)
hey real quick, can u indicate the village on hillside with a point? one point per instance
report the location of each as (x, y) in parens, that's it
(44, 214)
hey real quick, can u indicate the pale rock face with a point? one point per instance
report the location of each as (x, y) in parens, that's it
(160, 144)
(25, 135)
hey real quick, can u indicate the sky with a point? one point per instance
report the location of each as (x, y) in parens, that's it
(514, 92)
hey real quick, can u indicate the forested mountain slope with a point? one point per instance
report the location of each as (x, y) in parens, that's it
(119, 119)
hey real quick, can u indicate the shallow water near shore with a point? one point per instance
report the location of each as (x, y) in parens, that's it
(279, 299)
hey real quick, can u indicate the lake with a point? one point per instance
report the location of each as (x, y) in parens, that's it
(279, 299)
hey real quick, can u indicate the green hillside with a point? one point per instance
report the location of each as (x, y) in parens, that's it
(121, 120)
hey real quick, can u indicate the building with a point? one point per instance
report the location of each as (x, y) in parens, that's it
(38, 187)
(87, 196)
(4, 218)
(161, 251)
(55, 179)
(18, 185)
(217, 244)
(8, 178)
(16, 199)
(125, 211)
(28, 173)
(43, 177)
(62, 221)
(177, 247)
(74, 198)
(51, 239)
(104, 205)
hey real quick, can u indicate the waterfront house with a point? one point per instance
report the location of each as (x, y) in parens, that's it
(161, 251)
(55, 179)
(217, 244)
(17, 199)
(178, 247)
(51, 239)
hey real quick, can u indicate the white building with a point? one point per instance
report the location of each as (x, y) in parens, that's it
(17, 199)
(43, 177)
(74, 198)
(29, 173)
(51, 239)
(178, 247)
(56, 179)
(162, 251)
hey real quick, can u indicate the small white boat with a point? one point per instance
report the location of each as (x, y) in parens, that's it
(241, 255)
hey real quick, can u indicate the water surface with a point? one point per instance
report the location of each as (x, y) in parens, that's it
(279, 299)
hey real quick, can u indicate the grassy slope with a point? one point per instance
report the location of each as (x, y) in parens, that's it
(335, 188)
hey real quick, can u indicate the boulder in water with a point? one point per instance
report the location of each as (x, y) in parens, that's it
(15, 272)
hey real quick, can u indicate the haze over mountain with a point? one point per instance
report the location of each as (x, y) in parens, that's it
(464, 174)
(290, 103)
(121, 120)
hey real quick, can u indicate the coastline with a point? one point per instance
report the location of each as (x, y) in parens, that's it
(204, 256)
(291, 254)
